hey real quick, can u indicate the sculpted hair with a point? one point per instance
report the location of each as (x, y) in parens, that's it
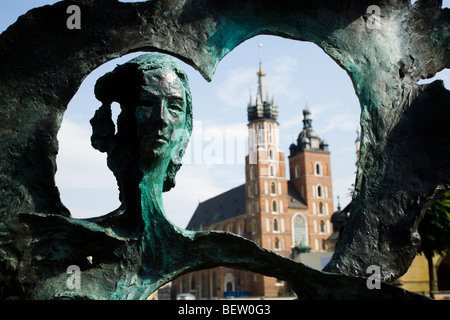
(123, 85)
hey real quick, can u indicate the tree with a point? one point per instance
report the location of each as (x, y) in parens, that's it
(434, 231)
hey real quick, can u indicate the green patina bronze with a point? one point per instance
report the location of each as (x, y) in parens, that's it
(127, 254)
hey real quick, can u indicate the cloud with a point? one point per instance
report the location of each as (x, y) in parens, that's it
(79, 164)
(212, 143)
(197, 183)
(280, 81)
(235, 90)
(316, 110)
(341, 122)
(342, 188)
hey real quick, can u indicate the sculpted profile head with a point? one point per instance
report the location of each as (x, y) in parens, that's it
(155, 122)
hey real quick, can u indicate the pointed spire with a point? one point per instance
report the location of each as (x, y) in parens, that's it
(307, 120)
(263, 108)
(261, 95)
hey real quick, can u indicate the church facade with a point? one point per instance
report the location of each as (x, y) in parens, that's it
(280, 210)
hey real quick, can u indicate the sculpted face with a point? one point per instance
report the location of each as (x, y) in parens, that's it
(161, 111)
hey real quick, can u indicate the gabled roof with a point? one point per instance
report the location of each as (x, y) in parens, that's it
(231, 204)
(295, 200)
(219, 208)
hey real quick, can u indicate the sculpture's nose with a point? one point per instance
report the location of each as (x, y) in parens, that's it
(162, 115)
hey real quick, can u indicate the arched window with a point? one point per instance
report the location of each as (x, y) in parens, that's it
(318, 169)
(320, 208)
(271, 154)
(274, 206)
(272, 171)
(273, 188)
(203, 286)
(229, 282)
(182, 285)
(322, 226)
(270, 133)
(275, 225)
(260, 134)
(214, 285)
(277, 244)
(254, 226)
(297, 172)
(192, 288)
(299, 225)
(319, 191)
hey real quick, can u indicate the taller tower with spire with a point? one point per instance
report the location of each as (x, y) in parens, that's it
(261, 108)
(265, 182)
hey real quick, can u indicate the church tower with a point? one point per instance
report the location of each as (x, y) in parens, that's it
(266, 184)
(310, 173)
(289, 216)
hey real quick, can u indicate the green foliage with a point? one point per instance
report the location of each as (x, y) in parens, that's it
(434, 229)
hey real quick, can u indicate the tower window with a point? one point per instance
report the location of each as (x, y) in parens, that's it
(299, 224)
(319, 191)
(274, 206)
(271, 154)
(192, 283)
(270, 133)
(322, 226)
(275, 225)
(277, 244)
(321, 208)
(272, 171)
(297, 172)
(318, 169)
(273, 188)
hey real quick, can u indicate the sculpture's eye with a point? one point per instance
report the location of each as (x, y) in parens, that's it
(176, 105)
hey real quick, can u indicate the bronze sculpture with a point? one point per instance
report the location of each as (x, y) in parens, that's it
(404, 155)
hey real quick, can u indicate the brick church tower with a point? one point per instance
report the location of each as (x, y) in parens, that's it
(265, 170)
(288, 215)
(310, 173)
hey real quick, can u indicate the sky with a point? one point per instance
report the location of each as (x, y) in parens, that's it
(214, 161)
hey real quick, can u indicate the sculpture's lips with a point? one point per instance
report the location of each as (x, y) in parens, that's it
(158, 140)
